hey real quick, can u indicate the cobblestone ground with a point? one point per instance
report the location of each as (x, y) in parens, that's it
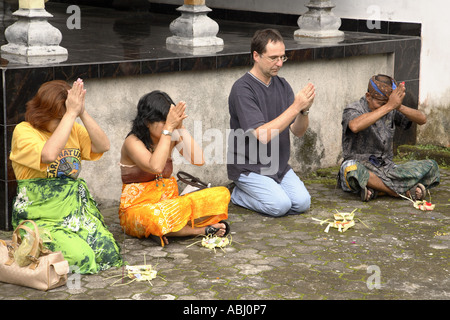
(403, 253)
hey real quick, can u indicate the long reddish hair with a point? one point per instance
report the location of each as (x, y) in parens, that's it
(49, 103)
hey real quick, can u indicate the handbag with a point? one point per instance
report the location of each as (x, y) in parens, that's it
(192, 183)
(39, 268)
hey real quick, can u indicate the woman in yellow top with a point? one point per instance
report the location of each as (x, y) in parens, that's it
(150, 205)
(46, 154)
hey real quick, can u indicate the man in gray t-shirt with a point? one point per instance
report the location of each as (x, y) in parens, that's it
(263, 108)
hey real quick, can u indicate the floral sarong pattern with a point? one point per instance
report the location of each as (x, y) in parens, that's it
(65, 208)
(155, 208)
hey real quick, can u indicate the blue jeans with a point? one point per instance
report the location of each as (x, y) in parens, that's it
(264, 195)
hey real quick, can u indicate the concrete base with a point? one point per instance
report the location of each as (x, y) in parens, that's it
(194, 28)
(194, 42)
(33, 51)
(193, 50)
(319, 34)
(33, 59)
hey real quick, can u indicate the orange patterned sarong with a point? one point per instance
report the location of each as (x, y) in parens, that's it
(155, 208)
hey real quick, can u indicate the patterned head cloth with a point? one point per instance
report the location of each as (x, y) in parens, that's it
(381, 87)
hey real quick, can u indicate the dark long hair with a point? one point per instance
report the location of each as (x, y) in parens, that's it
(152, 107)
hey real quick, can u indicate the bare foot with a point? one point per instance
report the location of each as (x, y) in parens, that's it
(219, 230)
(222, 229)
(419, 193)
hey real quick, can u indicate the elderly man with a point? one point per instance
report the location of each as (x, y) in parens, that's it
(368, 127)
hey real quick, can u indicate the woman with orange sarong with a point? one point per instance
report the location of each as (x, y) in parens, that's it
(150, 204)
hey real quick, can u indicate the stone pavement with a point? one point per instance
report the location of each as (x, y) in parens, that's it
(403, 254)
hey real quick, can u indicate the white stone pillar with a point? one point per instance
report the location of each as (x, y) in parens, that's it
(32, 35)
(194, 28)
(319, 21)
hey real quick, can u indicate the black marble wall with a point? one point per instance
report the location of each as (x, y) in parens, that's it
(135, 45)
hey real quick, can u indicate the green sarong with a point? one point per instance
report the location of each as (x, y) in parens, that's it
(65, 208)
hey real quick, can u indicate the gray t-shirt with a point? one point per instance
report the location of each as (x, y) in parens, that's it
(376, 140)
(252, 103)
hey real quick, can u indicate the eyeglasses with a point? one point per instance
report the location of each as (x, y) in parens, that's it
(275, 59)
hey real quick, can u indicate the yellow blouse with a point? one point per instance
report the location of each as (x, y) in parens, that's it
(26, 147)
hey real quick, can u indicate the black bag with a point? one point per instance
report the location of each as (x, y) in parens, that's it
(192, 183)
